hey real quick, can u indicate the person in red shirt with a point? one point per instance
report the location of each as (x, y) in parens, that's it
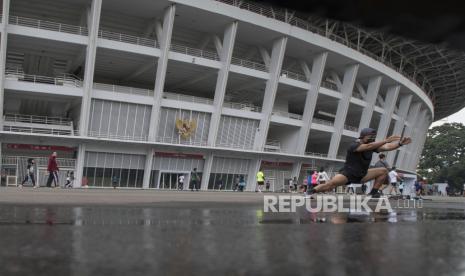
(52, 169)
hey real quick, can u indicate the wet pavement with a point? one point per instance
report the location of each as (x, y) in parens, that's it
(186, 236)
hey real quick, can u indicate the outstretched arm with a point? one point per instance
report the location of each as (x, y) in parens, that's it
(395, 145)
(376, 145)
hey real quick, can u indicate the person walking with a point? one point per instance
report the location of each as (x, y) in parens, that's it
(322, 176)
(52, 169)
(181, 182)
(29, 173)
(114, 181)
(260, 181)
(356, 168)
(241, 184)
(382, 163)
(393, 177)
(237, 179)
(195, 180)
(69, 179)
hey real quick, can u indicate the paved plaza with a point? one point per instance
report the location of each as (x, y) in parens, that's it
(140, 232)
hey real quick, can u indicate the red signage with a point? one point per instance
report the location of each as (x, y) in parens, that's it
(179, 155)
(277, 164)
(39, 147)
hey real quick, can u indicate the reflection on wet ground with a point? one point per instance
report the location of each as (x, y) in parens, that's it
(231, 239)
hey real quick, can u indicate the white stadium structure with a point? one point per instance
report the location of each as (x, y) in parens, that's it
(144, 91)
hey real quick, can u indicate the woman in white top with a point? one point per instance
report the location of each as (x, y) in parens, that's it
(322, 176)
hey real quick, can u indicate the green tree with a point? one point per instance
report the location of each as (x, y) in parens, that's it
(443, 156)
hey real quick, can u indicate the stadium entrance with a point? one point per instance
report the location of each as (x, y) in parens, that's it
(171, 180)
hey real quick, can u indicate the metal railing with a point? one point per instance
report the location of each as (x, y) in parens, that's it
(249, 64)
(322, 122)
(34, 119)
(40, 161)
(194, 52)
(278, 14)
(123, 89)
(34, 130)
(293, 75)
(63, 80)
(329, 85)
(179, 140)
(242, 106)
(317, 154)
(186, 98)
(288, 115)
(142, 41)
(97, 134)
(233, 146)
(351, 128)
(272, 146)
(47, 25)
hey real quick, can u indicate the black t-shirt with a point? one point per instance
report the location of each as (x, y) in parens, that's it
(357, 163)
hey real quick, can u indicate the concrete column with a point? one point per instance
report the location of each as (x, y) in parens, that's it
(296, 168)
(251, 177)
(277, 56)
(316, 76)
(91, 52)
(3, 49)
(342, 108)
(399, 126)
(417, 137)
(148, 168)
(412, 120)
(372, 93)
(79, 166)
(390, 104)
(207, 169)
(421, 144)
(222, 80)
(162, 65)
(418, 146)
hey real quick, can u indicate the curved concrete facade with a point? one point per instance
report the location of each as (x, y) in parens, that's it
(138, 94)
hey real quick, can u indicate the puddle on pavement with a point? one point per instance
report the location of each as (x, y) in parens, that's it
(178, 217)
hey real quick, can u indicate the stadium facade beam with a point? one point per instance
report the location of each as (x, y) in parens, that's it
(318, 68)
(90, 66)
(94, 22)
(3, 51)
(162, 65)
(422, 143)
(277, 57)
(411, 119)
(348, 83)
(226, 51)
(207, 169)
(255, 165)
(372, 94)
(222, 80)
(81, 153)
(414, 147)
(390, 103)
(399, 125)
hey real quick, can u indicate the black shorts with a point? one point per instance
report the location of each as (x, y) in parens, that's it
(394, 184)
(351, 177)
(260, 182)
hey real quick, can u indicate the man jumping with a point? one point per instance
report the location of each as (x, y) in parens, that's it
(358, 160)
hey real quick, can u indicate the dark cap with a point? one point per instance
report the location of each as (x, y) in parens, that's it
(367, 131)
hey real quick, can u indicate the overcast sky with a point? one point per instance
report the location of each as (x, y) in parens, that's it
(458, 117)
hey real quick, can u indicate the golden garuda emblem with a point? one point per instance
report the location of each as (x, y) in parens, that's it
(185, 127)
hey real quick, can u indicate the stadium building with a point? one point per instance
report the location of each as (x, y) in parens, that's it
(144, 91)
